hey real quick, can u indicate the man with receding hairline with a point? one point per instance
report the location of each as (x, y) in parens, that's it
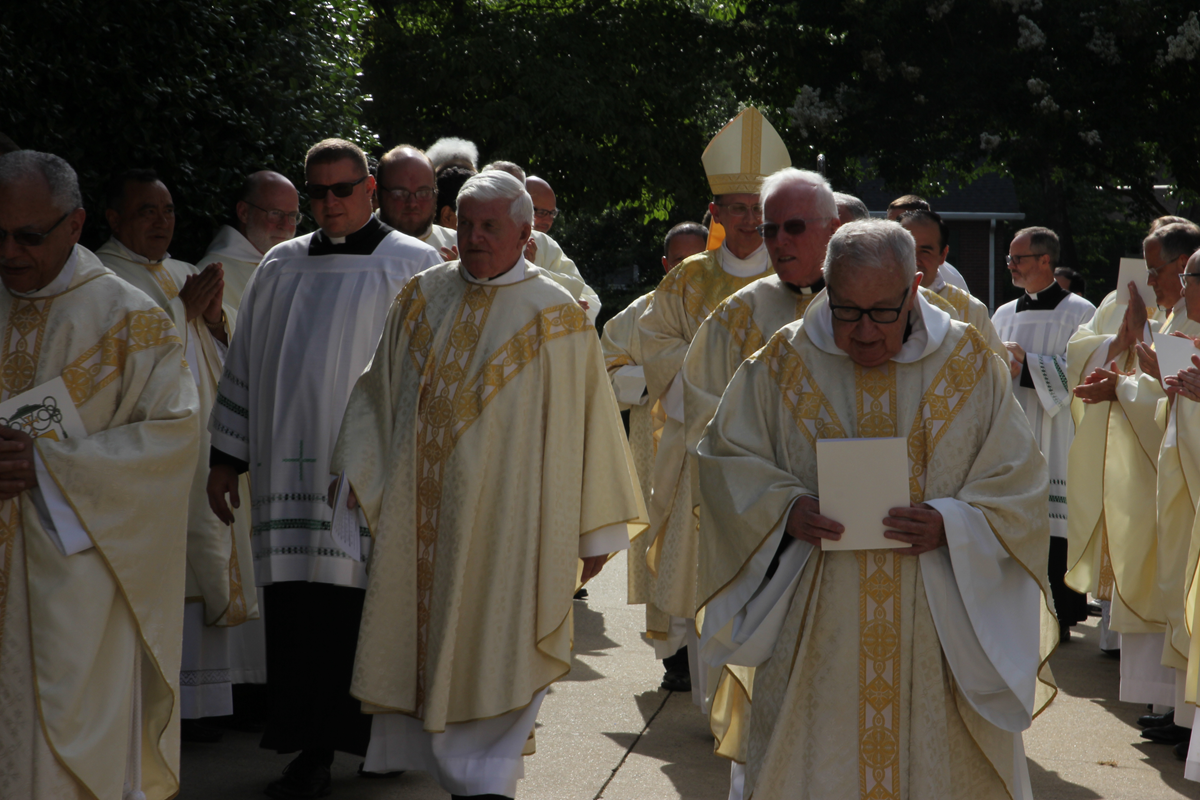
(307, 327)
(545, 204)
(408, 193)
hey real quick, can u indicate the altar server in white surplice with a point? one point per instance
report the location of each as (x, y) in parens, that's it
(220, 572)
(908, 672)
(1036, 328)
(307, 327)
(487, 453)
(92, 529)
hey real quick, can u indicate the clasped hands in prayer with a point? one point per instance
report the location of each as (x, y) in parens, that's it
(919, 525)
(591, 565)
(202, 295)
(16, 463)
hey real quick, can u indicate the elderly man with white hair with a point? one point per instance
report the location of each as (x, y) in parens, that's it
(484, 446)
(907, 671)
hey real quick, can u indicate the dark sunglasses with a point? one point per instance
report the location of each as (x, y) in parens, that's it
(793, 227)
(318, 191)
(29, 239)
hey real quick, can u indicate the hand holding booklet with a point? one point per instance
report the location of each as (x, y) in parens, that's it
(345, 525)
(859, 481)
(1133, 270)
(1174, 353)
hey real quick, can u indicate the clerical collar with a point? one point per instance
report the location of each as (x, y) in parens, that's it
(61, 281)
(360, 243)
(810, 289)
(1046, 299)
(515, 274)
(136, 257)
(754, 264)
(938, 284)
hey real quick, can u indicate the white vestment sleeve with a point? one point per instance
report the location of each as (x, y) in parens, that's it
(602, 541)
(672, 399)
(985, 606)
(1049, 374)
(1099, 359)
(742, 623)
(56, 514)
(629, 385)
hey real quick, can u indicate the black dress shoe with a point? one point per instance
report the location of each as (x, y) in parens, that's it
(302, 779)
(1156, 720)
(363, 773)
(193, 730)
(580, 595)
(1181, 751)
(676, 681)
(1064, 633)
(1167, 734)
(1094, 610)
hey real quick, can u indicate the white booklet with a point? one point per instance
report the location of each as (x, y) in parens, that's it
(858, 481)
(1134, 269)
(345, 526)
(1174, 353)
(44, 411)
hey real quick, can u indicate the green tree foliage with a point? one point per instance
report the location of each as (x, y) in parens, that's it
(204, 91)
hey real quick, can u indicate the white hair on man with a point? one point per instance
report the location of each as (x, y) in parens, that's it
(856, 207)
(61, 177)
(871, 244)
(496, 185)
(453, 150)
(825, 205)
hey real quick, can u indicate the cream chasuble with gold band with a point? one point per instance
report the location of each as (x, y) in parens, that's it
(738, 327)
(687, 295)
(1111, 507)
(621, 345)
(969, 310)
(948, 663)
(439, 237)
(468, 606)
(89, 643)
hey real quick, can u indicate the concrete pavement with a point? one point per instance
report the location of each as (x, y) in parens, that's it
(608, 731)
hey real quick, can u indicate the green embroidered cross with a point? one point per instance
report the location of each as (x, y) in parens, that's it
(301, 460)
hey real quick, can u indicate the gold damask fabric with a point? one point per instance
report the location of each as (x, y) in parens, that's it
(464, 442)
(95, 613)
(1113, 464)
(858, 667)
(964, 307)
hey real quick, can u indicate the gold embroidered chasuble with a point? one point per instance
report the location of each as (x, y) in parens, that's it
(621, 345)
(75, 630)
(220, 568)
(857, 698)
(465, 442)
(1177, 497)
(968, 309)
(1111, 515)
(683, 300)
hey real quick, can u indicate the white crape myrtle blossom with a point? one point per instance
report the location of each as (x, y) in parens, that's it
(1090, 137)
(1037, 86)
(1104, 45)
(1186, 45)
(989, 141)
(810, 112)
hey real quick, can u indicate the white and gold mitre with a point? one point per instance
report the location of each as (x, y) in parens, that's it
(746, 150)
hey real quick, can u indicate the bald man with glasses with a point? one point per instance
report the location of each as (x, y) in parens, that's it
(307, 328)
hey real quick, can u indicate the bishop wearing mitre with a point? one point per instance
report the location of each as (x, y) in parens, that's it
(485, 449)
(906, 672)
(736, 161)
(91, 534)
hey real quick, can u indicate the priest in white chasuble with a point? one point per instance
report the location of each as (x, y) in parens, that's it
(1113, 463)
(799, 215)
(932, 236)
(485, 449)
(307, 327)
(622, 348)
(266, 213)
(92, 541)
(1036, 328)
(904, 672)
(220, 574)
(739, 157)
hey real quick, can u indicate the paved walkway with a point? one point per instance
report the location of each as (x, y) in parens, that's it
(609, 732)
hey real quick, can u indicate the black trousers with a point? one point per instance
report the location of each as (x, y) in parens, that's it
(312, 634)
(1069, 605)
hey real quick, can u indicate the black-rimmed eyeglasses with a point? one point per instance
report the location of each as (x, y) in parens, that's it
(29, 238)
(881, 316)
(1183, 276)
(275, 216)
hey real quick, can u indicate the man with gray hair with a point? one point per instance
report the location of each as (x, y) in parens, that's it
(92, 541)
(485, 450)
(1036, 328)
(307, 327)
(850, 207)
(873, 666)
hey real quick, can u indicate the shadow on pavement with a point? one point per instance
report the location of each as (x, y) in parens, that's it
(1046, 783)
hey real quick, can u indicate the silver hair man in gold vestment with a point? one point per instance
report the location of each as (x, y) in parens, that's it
(880, 673)
(92, 528)
(486, 451)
